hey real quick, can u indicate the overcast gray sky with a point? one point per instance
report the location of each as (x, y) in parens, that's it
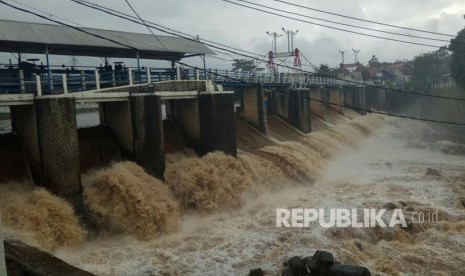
(244, 28)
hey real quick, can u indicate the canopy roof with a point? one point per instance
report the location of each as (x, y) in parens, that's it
(26, 37)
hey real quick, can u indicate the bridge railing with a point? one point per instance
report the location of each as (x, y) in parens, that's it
(68, 81)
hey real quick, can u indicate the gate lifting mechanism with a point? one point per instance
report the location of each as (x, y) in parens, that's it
(295, 54)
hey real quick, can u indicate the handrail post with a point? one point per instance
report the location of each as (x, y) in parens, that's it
(97, 80)
(38, 85)
(197, 75)
(83, 80)
(178, 73)
(149, 78)
(65, 83)
(22, 86)
(130, 76)
(113, 78)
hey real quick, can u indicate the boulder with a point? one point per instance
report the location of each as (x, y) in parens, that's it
(389, 206)
(256, 272)
(433, 172)
(348, 270)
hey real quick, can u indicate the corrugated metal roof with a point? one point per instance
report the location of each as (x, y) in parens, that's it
(28, 37)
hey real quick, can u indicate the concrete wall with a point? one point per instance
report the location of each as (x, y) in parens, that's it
(186, 113)
(24, 122)
(294, 108)
(317, 106)
(253, 107)
(59, 145)
(336, 98)
(148, 133)
(117, 117)
(348, 96)
(137, 126)
(375, 98)
(361, 99)
(217, 122)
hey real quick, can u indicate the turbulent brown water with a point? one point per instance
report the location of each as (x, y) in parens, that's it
(38, 218)
(215, 215)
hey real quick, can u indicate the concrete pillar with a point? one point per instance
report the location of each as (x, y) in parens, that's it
(317, 105)
(59, 145)
(217, 122)
(348, 96)
(279, 103)
(148, 133)
(299, 110)
(253, 107)
(360, 100)
(336, 98)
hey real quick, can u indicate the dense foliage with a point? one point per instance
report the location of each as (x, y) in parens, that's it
(457, 62)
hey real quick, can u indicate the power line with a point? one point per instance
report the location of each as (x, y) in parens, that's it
(331, 27)
(363, 20)
(340, 105)
(150, 30)
(343, 24)
(395, 115)
(128, 17)
(231, 51)
(176, 33)
(47, 13)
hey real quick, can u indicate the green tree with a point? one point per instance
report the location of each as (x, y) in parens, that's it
(324, 70)
(429, 69)
(245, 65)
(457, 59)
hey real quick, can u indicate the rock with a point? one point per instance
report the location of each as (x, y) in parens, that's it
(348, 270)
(463, 202)
(389, 206)
(296, 265)
(433, 172)
(256, 272)
(287, 272)
(358, 244)
(324, 261)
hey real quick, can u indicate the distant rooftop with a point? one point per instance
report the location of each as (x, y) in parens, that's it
(26, 37)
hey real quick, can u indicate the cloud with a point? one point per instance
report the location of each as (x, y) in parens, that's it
(244, 28)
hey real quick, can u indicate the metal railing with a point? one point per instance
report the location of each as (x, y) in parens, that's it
(68, 81)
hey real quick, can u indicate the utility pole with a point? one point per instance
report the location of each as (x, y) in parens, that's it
(356, 54)
(342, 54)
(274, 35)
(290, 39)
